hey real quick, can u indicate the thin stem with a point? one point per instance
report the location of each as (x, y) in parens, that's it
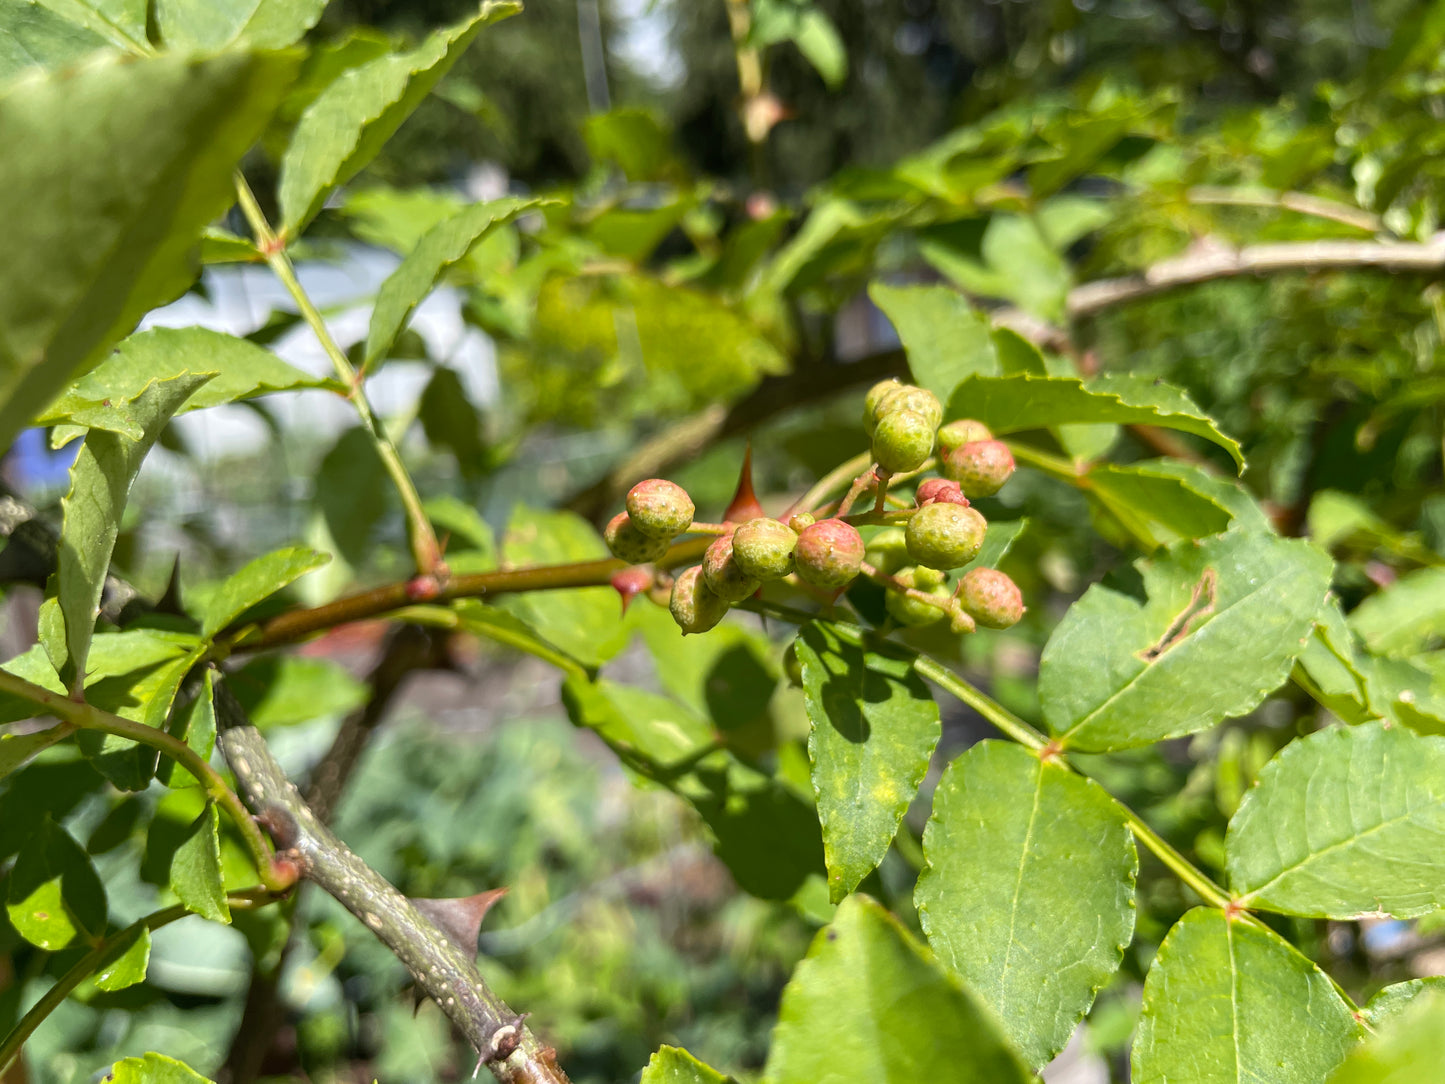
(1182, 868)
(835, 479)
(1006, 721)
(92, 961)
(84, 716)
(1299, 202)
(1055, 466)
(425, 551)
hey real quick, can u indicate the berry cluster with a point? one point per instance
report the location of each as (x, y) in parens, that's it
(940, 532)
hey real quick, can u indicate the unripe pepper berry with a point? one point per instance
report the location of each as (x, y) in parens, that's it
(907, 397)
(944, 535)
(876, 394)
(659, 508)
(980, 467)
(991, 598)
(902, 441)
(962, 431)
(829, 553)
(887, 550)
(694, 605)
(721, 573)
(763, 549)
(913, 612)
(940, 491)
(629, 544)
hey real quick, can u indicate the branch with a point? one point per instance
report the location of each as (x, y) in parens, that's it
(1299, 202)
(442, 970)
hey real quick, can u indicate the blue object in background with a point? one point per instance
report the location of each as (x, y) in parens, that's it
(31, 464)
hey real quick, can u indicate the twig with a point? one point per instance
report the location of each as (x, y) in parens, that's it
(1298, 202)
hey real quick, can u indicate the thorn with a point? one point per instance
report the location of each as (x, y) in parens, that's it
(745, 505)
(460, 918)
(630, 582)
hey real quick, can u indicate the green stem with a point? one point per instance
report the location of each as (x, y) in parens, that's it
(1181, 867)
(837, 478)
(1005, 720)
(84, 716)
(424, 548)
(1055, 466)
(91, 962)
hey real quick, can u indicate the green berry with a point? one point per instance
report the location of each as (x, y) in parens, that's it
(829, 553)
(991, 598)
(763, 549)
(801, 521)
(887, 550)
(902, 441)
(913, 612)
(659, 508)
(944, 535)
(721, 573)
(694, 605)
(963, 431)
(923, 577)
(980, 467)
(876, 394)
(908, 397)
(629, 544)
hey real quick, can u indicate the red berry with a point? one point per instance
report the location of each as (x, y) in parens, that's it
(940, 490)
(721, 572)
(962, 431)
(829, 553)
(991, 598)
(980, 467)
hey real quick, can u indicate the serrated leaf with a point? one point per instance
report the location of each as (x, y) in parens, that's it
(1227, 1002)
(16, 749)
(114, 655)
(100, 482)
(350, 121)
(147, 148)
(255, 581)
(440, 247)
(1343, 823)
(195, 875)
(1223, 622)
(502, 627)
(1010, 404)
(284, 690)
(874, 728)
(126, 962)
(869, 1003)
(670, 1065)
(53, 893)
(154, 1069)
(1408, 1049)
(107, 396)
(207, 25)
(1155, 503)
(1393, 1000)
(1028, 893)
(32, 36)
(945, 337)
(1405, 617)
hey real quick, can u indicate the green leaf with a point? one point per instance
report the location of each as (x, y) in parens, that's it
(1028, 893)
(195, 875)
(107, 396)
(1344, 823)
(874, 728)
(450, 420)
(126, 962)
(154, 1069)
(1009, 404)
(635, 140)
(32, 36)
(1223, 622)
(198, 730)
(208, 25)
(1155, 503)
(120, 22)
(807, 27)
(945, 337)
(673, 1066)
(147, 148)
(1405, 617)
(440, 247)
(1395, 999)
(869, 1003)
(1228, 1002)
(257, 580)
(1011, 260)
(502, 627)
(100, 481)
(284, 690)
(1409, 1048)
(350, 121)
(53, 893)
(727, 676)
(650, 732)
(351, 492)
(16, 749)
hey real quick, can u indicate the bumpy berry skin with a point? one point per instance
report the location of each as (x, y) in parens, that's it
(887, 550)
(801, 521)
(980, 467)
(991, 598)
(908, 397)
(940, 491)
(721, 573)
(913, 612)
(963, 431)
(902, 441)
(659, 508)
(944, 535)
(629, 544)
(829, 553)
(763, 549)
(694, 605)
(876, 394)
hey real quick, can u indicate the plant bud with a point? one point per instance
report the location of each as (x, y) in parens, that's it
(887, 550)
(980, 467)
(922, 577)
(915, 613)
(991, 598)
(902, 441)
(940, 491)
(763, 549)
(963, 431)
(944, 535)
(629, 544)
(876, 394)
(659, 508)
(829, 553)
(694, 605)
(721, 573)
(908, 397)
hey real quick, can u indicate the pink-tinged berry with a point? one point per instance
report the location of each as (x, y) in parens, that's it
(874, 399)
(629, 544)
(908, 397)
(902, 441)
(944, 535)
(963, 431)
(887, 550)
(694, 605)
(991, 598)
(980, 467)
(829, 553)
(763, 549)
(721, 573)
(659, 508)
(940, 491)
